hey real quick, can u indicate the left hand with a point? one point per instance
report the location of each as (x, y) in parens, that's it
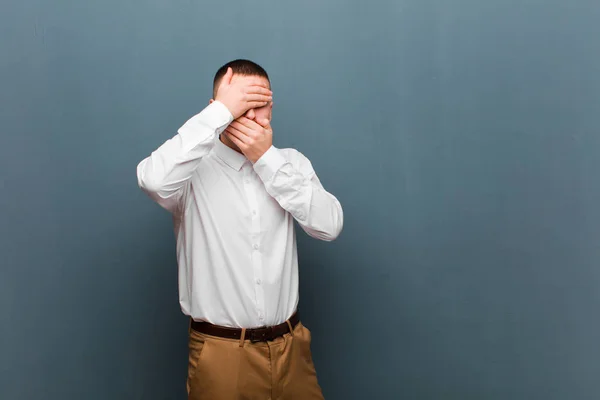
(253, 138)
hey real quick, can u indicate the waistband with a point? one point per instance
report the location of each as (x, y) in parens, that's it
(262, 334)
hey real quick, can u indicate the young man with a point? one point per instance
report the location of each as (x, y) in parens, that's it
(234, 198)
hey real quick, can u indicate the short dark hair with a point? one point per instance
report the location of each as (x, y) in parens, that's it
(239, 67)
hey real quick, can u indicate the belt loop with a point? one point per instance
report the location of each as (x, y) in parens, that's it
(290, 326)
(242, 337)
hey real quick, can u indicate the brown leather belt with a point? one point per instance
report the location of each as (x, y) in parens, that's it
(255, 334)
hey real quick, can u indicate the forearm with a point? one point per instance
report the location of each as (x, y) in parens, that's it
(300, 192)
(165, 173)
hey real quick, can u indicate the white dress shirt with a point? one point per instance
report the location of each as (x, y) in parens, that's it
(234, 221)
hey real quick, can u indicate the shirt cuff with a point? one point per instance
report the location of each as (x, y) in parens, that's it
(269, 164)
(221, 114)
(216, 117)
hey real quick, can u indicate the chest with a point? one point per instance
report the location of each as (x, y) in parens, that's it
(234, 199)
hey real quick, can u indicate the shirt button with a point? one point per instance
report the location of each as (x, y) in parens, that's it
(258, 281)
(253, 212)
(255, 246)
(246, 181)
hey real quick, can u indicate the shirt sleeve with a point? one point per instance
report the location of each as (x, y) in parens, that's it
(165, 174)
(297, 189)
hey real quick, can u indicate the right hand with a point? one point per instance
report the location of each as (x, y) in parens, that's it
(242, 94)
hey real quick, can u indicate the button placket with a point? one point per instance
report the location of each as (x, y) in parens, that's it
(255, 243)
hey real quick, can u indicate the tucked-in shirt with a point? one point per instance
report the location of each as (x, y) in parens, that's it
(234, 221)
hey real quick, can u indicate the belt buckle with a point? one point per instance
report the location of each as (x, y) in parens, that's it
(260, 335)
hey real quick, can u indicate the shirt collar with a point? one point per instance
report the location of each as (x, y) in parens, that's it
(229, 156)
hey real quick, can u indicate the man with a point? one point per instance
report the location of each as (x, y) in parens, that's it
(234, 198)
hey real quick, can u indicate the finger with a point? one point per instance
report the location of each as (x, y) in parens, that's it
(235, 140)
(257, 97)
(257, 82)
(249, 124)
(256, 89)
(228, 76)
(257, 104)
(240, 133)
(264, 122)
(244, 129)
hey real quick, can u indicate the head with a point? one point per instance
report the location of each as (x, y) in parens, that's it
(243, 69)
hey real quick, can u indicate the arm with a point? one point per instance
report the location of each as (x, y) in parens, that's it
(165, 174)
(298, 190)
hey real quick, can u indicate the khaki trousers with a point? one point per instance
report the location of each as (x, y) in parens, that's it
(227, 369)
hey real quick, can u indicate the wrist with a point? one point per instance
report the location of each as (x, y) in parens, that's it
(269, 163)
(228, 107)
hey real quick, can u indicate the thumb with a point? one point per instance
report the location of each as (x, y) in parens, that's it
(264, 122)
(228, 76)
